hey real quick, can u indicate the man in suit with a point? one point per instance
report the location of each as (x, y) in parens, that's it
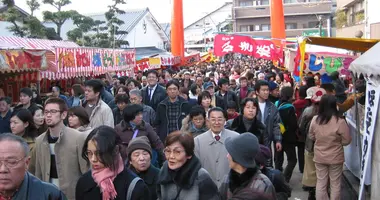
(209, 146)
(153, 94)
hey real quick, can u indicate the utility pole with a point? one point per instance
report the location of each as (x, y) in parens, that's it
(320, 18)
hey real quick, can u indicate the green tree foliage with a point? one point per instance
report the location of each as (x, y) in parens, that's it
(96, 33)
(24, 25)
(8, 3)
(341, 18)
(59, 17)
(114, 23)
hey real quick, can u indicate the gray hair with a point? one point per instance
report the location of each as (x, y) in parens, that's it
(15, 138)
(135, 92)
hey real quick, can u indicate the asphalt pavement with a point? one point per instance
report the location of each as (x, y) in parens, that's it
(299, 194)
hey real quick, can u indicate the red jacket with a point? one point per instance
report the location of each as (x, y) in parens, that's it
(300, 105)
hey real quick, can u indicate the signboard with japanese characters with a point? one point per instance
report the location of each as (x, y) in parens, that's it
(74, 62)
(371, 109)
(224, 44)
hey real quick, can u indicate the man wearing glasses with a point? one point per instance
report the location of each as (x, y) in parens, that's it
(209, 146)
(15, 182)
(57, 155)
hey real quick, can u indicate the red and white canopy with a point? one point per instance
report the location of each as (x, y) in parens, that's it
(34, 44)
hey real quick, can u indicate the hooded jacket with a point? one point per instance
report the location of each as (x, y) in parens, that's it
(187, 126)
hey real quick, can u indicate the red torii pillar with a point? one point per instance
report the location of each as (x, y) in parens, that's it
(277, 20)
(177, 31)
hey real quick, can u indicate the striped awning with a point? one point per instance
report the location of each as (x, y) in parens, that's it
(35, 44)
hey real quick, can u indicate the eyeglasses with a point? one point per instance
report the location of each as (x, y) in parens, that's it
(11, 163)
(177, 152)
(213, 120)
(89, 154)
(46, 112)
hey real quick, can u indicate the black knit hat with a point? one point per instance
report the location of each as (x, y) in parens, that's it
(141, 142)
(27, 91)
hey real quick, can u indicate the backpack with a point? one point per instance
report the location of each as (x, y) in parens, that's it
(131, 187)
(284, 105)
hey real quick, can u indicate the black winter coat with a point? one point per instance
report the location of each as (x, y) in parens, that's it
(150, 178)
(158, 96)
(162, 119)
(87, 188)
(289, 119)
(257, 128)
(222, 101)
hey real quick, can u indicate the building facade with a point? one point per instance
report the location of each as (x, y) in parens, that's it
(302, 17)
(350, 18)
(142, 29)
(373, 16)
(199, 35)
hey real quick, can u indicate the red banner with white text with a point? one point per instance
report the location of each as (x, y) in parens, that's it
(266, 49)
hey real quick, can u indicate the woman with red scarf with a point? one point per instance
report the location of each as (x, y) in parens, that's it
(108, 179)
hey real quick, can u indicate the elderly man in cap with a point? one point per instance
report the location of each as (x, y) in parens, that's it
(139, 159)
(245, 181)
(16, 182)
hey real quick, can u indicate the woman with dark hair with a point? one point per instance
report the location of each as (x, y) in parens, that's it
(330, 133)
(194, 91)
(79, 119)
(38, 119)
(247, 121)
(182, 176)
(77, 93)
(133, 126)
(196, 122)
(121, 101)
(288, 118)
(36, 97)
(122, 89)
(108, 179)
(22, 124)
(133, 84)
(204, 100)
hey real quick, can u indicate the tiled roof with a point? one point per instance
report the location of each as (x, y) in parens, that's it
(130, 18)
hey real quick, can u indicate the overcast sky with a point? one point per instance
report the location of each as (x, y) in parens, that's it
(161, 9)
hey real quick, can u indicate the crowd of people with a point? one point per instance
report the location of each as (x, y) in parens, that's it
(211, 131)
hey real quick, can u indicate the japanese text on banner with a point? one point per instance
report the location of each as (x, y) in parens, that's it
(371, 109)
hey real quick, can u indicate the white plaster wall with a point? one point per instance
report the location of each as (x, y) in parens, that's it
(195, 31)
(137, 37)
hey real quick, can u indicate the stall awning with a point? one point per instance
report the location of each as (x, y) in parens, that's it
(146, 52)
(353, 44)
(368, 63)
(34, 44)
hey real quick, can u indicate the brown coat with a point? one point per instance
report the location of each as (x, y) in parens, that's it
(124, 130)
(329, 140)
(68, 156)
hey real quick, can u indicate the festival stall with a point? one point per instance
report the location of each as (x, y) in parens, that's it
(22, 60)
(368, 64)
(357, 154)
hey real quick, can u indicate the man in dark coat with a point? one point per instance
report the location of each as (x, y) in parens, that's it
(171, 111)
(21, 185)
(225, 94)
(153, 94)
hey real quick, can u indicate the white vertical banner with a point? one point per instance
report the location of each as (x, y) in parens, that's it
(371, 109)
